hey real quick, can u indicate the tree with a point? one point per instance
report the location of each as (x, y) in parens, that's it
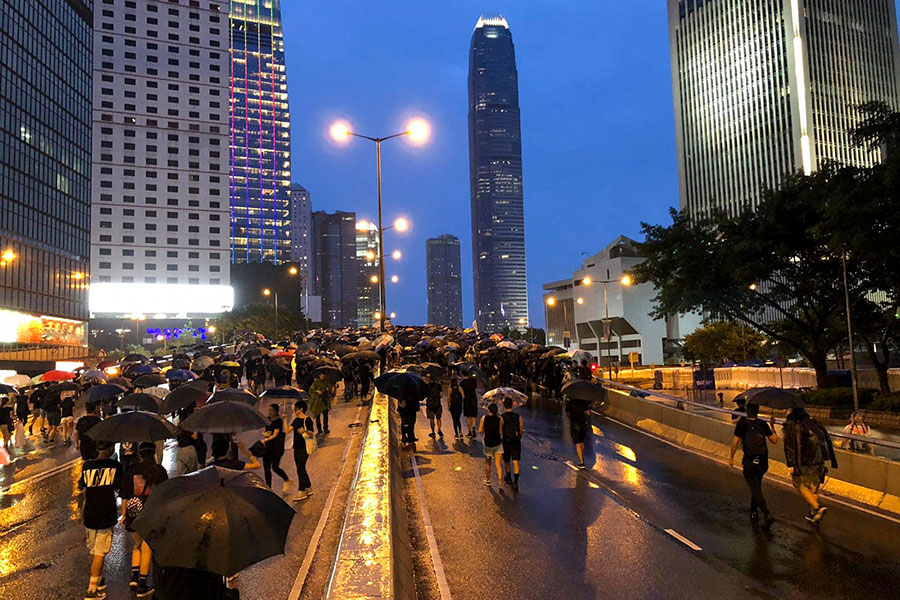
(258, 317)
(719, 341)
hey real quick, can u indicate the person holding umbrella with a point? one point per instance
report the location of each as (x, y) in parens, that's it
(433, 408)
(303, 428)
(320, 401)
(139, 481)
(470, 402)
(751, 434)
(101, 479)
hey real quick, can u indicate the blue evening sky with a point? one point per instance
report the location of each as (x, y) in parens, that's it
(598, 138)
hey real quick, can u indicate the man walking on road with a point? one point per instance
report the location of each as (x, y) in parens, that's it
(83, 442)
(578, 426)
(751, 434)
(807, 446)
(513, 429)
(434, 408)
(100, 479)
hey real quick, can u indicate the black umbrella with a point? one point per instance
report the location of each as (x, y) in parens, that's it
(552, 352)
(770, 396)
(433, 369)
(402, 385)
(362, 355)
(132, 427)
(215, 520)
(135, 358)
(180, 398)
(144, 402)
(104, 391)
(65, 386)
(284, 391)
(148, 380)
(332, 374)
(226, 416)
(235, 395)
(119, 381)
(470, 369)
(582, 389)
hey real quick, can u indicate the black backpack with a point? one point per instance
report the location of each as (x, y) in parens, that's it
(755, 439)
(510, 426)
(814, 444)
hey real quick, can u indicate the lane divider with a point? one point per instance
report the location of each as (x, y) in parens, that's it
(42, 475)
(683, 540)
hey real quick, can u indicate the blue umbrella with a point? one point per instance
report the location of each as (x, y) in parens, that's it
(180, 375)
(144, 369)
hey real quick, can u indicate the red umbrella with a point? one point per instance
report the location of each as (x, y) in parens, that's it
(284, 354)
(54, 376)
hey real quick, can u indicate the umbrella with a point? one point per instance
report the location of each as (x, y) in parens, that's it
(308, 347)
(149, 380)
(233, 394)
(361, 355)
(498, 395)
(224, 417)
(496, 337)
(205, 521)
(332, 374)
(66, 386)
(119, 381)
(53, 376)
(93, 375)
(582, 389)
(180, 375)
(383, 342)
(6, 389)
(17, 380)
(433, 369)
(144, 402)
(157, 392)
(507, 345)
(145, 369)
(770, 396)
(104, 391)
(181, 398)
(580, 355)
(552, 352)
(132, 427)
(254, 352)
(284, 391)
(135, 358)
(470, 369)
(104, 364)
(284, 354)
(402, 385)
(202, 363)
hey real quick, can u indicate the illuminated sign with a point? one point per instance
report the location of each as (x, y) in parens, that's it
(21, 328)
(159, 299)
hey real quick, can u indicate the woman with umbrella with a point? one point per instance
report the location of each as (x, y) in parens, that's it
(320, 400)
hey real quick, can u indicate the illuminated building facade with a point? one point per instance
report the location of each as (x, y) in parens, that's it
(335, 267)
(160, 199)
(444, 280)
(260, 135)
(495, 175)
(369, 291)
(767, 88)
(45, 185)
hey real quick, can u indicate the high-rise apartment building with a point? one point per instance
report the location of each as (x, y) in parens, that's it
(260, 135)
(495, 175)
(444, 280)
(45, 188)
(768, 87)
(160, 189)
(368, 289)
(301, 234)
(335, 267)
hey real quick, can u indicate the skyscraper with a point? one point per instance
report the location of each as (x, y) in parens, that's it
(335, 267)
(45, 186)
(301, 222)
(368, 291)
(495, 177)
(767, 88)
(260, 135)
(160, 184)
(444, 281)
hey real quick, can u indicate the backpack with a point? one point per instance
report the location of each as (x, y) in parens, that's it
(754, 439)
(813, 443)
(510, 426)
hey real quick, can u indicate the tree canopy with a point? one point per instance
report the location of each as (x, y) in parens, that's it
(259, 317)
(719, 341)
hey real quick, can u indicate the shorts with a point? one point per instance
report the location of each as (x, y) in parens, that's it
(578, 432)
(66, 420)
(53, 419)
(492, 451)
(512, 450)
(434, 413)
(810, 476)
(99, 541)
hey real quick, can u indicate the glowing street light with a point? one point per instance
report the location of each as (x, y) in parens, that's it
(580, 300)
(418, 130)
(267, 292)
(587, 281)
(374, 278)
(626, 280)
(753, 287)
(211, 329)
(393, 315)
(401, 224)
(394, 279)
(78, 275)
(370, 255)
(397, 255)
(377, 315)
(340, 131)
(551, 301)
(292, 271)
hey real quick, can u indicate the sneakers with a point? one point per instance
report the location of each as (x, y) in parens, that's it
(96, 595)
(431, 435)
(817, 516)
(299, 496)
(134, 581)
(487, 482)
(285, 487)
(440, 433)
(102, 585)
(580, 465)
(754, 516)
(144, 590)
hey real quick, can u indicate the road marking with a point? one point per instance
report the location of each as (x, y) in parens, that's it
(436, 561)
(302, 574)
(42, 475)
(683, 540)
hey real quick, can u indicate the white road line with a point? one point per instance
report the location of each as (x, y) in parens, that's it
(683, 540)
(42, 475)
(300, 580)
(436, 561)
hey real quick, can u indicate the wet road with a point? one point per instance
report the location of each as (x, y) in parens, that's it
(602, 532)
(42, 551)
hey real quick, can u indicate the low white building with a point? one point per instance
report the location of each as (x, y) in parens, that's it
(576, 311)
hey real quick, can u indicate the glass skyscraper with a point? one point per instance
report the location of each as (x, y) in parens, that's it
(45, 170)
(335, 267)
(495, 176)
(444, 280)
(768, 87)
(368, 291)
(260, 135)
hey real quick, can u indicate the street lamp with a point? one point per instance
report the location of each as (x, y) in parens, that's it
(267, 292)
(551, 302)
(417, 131)
(397, 255)
(624, 280)
(395, 278)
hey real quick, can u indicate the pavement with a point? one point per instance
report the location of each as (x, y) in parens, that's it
(644, 520)
(42, 552)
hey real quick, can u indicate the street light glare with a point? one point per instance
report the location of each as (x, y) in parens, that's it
(340, 131)
(393, 315)
(580, 300)
(397, 255)
(267, 292)
(292, 270)
(551, 301)
(587, 281)
(418, 130)
(8, 256)
(394, 279)
(362, 225)
(521, 320)
(374, 278)
(377, 315)
(626, 280)
(401, 224)
(370, 255)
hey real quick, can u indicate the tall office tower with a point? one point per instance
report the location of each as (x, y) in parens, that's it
(260, 135)
(335, 267)
(45, 187)
(767, 88)
(368, 290)
(495, 176)
(160, 209)
(301, 236)
(444, 281)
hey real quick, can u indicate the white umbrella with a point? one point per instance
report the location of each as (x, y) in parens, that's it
(18, 380)
(157, 392)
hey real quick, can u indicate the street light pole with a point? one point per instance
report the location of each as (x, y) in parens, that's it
(381, 287)
(606, 324)
(853, 374)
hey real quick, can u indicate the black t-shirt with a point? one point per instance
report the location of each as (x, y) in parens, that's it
(276, 446)
(468, 386)
(51, 403)
(577, 410)
(100, 480)
(456, 399)
(492, 436)
(6, 415)
(301, 426)
(22, 405)
(740, 431)
(230, 463)
(68, 407)
(88, 447)
(435, 393)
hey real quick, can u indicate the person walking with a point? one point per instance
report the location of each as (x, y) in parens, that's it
(434, 409)
(513, 429)
(857, 426)
(470, 403)
(408, 406)
(456, 407)
(491, 427)
(320, 401)
(221, 447)
(807, 446)
(83, 442)
(51, 406)
(752, 434)
(22, 412)
(304, 431)
(6, 422)
(101, 479)
(578, 426)
(186, 459)
(273, 439)
(365, 380)
(67, 415)
(139, 481)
